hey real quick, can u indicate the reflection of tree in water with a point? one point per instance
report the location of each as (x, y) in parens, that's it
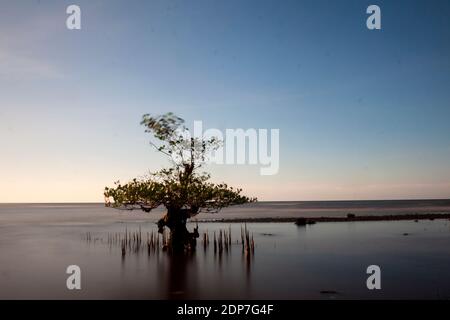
(180, 271)
(177, 275)
(248, 249)
(247, 258)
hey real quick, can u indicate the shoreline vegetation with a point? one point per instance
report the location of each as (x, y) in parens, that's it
(349, 218)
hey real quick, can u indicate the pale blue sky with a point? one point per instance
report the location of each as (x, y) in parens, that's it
(362, 114)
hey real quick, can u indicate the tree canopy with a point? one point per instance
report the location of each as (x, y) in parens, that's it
(182, 186)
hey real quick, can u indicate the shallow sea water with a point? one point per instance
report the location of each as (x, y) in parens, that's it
(321, 261)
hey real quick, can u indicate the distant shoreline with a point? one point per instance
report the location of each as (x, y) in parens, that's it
(396, 217)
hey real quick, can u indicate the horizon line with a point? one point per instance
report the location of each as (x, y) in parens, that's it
(328, 200)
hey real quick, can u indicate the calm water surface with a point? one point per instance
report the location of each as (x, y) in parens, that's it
(37, 243)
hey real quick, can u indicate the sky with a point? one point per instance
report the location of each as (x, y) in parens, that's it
(362, 114)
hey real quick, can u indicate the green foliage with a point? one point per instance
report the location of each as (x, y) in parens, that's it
(174, 140)
(180, 186)
(144, 194)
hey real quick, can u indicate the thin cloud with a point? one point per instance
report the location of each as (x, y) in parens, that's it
(16, 66)
(22, 40)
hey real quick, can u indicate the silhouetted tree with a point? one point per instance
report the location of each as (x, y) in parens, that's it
(181, 188)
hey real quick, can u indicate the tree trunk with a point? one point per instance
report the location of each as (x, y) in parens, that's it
(180, 238)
